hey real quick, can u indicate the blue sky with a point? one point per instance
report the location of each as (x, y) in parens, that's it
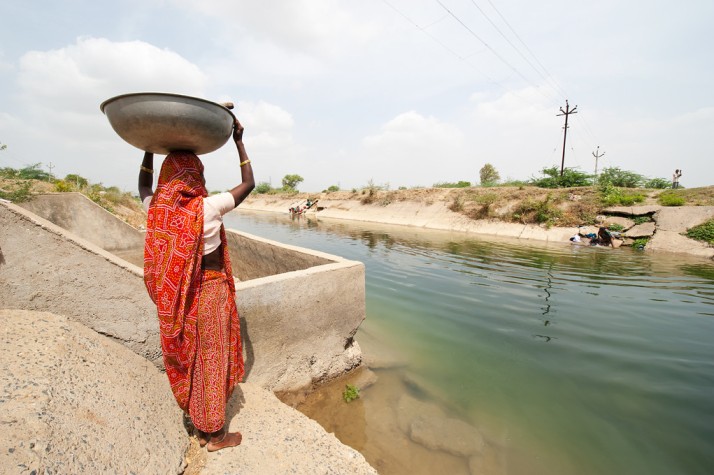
(397, 92)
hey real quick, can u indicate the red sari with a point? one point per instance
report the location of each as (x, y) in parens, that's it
(198, 319)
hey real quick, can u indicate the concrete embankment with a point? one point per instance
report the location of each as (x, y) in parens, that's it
(665, 231)
(80, 395)
(74, 401)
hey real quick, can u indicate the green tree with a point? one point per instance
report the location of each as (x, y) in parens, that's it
(290, 182)
(489, 175)
(333, 188)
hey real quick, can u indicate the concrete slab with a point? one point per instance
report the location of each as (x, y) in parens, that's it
(74, 401)
(633, 210)
(278, 439)
(679, 219)
(641, 230)
(672, 241)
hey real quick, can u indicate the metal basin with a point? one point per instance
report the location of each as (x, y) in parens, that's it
(162, 123)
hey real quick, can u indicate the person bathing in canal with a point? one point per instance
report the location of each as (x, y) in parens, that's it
(187, 272)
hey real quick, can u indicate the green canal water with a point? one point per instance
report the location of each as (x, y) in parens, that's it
(568, 359)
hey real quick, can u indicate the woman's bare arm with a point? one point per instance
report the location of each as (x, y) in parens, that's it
(146, 177)
(246, 170)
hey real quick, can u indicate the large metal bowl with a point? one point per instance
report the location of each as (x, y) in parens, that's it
(162, 123)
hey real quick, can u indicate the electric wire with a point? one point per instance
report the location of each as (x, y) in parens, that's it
(452, 52)
(527, 48)
(515, 48)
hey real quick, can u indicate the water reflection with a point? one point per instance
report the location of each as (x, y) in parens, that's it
(623, 384)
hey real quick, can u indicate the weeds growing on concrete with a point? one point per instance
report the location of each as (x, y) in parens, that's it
(703, 232)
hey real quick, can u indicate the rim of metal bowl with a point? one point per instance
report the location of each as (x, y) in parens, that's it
(165, 94)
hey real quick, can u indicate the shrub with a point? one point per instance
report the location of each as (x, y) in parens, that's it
(641, 219)
(611, 195)
(542, 212)
(333, 188)
(63, 186)
(262, 187)
(703, 232)
(616, 227)
(458, 184)
(20, 194)
(622, 178)
(457, 205)
(572, 177)
(640, 243)
(658, 183)
(670, 199)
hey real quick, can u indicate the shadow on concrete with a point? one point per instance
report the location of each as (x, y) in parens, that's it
(247, 348)
(235, 404)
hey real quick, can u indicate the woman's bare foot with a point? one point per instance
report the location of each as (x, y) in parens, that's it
(223, 440)
(202, 438)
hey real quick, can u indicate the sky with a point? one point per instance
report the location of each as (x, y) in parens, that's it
(395, 93)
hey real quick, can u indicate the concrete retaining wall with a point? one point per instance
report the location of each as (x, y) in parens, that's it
(83, 217)
(299, 308)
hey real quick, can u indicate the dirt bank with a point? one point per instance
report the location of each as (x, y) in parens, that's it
(495, 211)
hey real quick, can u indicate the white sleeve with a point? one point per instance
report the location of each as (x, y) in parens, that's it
(147, 202)
(222, 202)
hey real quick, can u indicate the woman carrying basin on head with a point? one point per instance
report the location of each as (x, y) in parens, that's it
(187, 272)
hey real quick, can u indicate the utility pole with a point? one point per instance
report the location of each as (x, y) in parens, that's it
(566, 113)
(50, 166)
(597, 155)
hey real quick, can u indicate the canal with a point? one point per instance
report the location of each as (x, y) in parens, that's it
(565, 359)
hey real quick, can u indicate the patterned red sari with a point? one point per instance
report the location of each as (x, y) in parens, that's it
(198, 319)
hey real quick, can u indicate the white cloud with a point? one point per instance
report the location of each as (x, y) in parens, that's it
(320, 27)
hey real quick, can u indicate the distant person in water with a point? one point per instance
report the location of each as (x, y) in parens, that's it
(187, 272)
(603, 238)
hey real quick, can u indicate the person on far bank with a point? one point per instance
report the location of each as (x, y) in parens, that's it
(675, 178)
(187, 272)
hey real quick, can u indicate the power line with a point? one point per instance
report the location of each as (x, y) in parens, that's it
(451, 51)
(495, 53)
(527, 48)
(516, 49)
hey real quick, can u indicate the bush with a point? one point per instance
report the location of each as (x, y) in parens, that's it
(263, 187)
(20, 194)
(703, 232)
(542, 212)
(658, 183)
(458, 184)
(670, 199)
(572, 177)
(63, 186)
(611, 195)
(621, 178)
(640, 243)
(333, 188)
